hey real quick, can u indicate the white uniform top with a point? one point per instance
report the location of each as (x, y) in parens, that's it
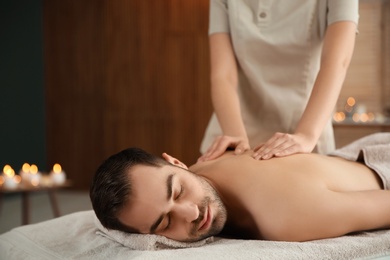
(278, 45)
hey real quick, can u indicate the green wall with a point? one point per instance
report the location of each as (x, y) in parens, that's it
(22, 107)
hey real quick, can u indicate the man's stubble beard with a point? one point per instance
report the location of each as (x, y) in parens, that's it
(219, 217)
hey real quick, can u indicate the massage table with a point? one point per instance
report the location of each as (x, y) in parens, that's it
(79, 236)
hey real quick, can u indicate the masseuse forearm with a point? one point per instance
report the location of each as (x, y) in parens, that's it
(336, 56)
(227, 108)
(322, 101)
(224, 84)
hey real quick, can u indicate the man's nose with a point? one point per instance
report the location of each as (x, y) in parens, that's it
(188, 210)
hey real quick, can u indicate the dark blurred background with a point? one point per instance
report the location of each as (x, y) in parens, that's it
(83, 79)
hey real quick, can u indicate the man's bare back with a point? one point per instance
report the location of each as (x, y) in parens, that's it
(299, 197)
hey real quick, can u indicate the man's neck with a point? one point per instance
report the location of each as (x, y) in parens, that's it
(239, 225)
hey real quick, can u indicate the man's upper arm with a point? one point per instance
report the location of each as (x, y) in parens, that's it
(340, 213)
(331, 214)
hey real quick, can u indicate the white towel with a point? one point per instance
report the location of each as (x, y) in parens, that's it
(146, 241)
(374, 151)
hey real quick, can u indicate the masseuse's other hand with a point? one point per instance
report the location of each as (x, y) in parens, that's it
(221, 143)
(282, 144)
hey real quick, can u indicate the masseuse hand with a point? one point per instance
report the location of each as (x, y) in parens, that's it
(221, 143)
(282, 144)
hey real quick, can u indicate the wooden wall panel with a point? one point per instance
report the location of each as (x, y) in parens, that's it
(75, 81)
(124, 73)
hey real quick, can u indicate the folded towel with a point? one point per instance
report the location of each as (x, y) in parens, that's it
(146, 241)
(374, 151)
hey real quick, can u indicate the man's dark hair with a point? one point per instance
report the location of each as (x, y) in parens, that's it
(111, 185)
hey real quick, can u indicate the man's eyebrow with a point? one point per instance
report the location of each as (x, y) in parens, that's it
(169, 186)
(169, 194)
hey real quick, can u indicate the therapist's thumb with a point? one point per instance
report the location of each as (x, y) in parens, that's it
(240, 149)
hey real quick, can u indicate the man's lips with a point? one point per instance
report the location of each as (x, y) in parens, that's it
(206, 222)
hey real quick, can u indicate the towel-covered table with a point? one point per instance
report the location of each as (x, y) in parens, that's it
(77, 236)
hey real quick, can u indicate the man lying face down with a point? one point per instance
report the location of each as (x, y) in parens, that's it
(296, 198)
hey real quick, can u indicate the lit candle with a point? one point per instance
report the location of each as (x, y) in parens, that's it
(10, 180)
(339, 116)
(35, 175)
(25, 172)
(57, 175)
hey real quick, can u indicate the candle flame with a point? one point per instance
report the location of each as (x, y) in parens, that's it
(339, 116)
(57, 168)
(33, 169)
(6, 168)
(356, 117)
(10, 172)
(26, 167)
(364, 117)
(351, 101)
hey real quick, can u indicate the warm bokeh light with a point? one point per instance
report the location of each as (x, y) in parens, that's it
(351, 101)
(339, 116)
(6, 168)
(371, 117)
(1, 180)
(17, 179)
(10, 173)
(26, 167)
(34, 182)
(364, 117)
(33, 169)
(348, 108)
(356, 117)
(57, 168)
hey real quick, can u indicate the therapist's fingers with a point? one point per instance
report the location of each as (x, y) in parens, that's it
(221, 144)
(300, 144)
(288, 150)
(284, 149)
(241, 148)
(280, 144)
(283, 145)
(264, 149)
(218, 147)
(209, 150)
(225, 142)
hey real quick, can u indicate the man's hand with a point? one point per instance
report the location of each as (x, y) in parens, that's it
(221, 143)
(282, 144)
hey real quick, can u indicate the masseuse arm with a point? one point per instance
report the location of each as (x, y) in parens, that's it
(224, 84)
(336, 55)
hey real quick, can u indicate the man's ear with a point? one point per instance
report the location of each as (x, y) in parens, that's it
(174, 161)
